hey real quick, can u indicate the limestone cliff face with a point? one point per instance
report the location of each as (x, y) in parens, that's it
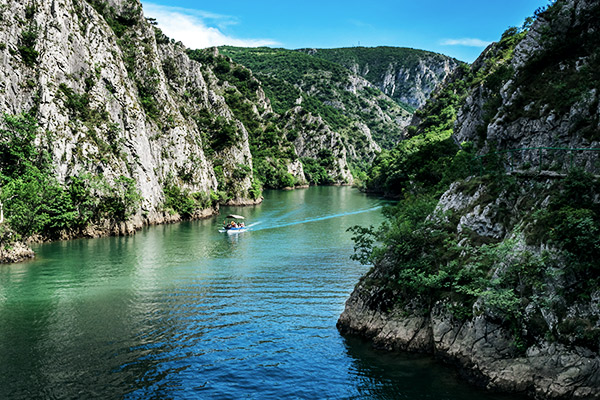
(413, 85)
(114, 97)
(544, 94)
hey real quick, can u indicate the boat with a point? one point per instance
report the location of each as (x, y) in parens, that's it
(234, 226)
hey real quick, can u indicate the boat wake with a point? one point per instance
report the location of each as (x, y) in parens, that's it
(308, 220)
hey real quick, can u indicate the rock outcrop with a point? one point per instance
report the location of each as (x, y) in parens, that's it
(516, 101)
(482, 349)
(314, 137)
(15, 252)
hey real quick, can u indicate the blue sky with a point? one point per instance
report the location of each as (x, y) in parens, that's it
(459, 29)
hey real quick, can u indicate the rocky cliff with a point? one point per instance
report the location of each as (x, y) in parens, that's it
(408, 76)
(498, 275)
(110, 94)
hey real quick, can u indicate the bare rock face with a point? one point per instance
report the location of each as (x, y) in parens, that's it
(314, 137)
(417, 83)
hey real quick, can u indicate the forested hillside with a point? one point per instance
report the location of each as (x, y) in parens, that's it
(348, 104)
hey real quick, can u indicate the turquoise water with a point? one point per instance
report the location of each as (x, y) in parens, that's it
(183, 311)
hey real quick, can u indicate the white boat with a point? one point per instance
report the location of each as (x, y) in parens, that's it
(234, 226)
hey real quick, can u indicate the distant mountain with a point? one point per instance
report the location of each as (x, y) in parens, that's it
(406, 75)
(348, 103)
(359, 92)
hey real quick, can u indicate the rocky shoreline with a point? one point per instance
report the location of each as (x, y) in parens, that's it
(20, 251)
(482, 350)
(15, 252)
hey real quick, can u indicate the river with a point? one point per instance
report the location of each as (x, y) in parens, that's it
(182, 311)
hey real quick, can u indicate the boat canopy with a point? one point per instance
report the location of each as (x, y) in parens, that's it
(234, 216)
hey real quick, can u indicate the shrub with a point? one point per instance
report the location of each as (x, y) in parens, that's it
(178, 200)
(26, 46)
(255, 190)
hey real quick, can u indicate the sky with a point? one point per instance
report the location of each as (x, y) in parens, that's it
(460, 28)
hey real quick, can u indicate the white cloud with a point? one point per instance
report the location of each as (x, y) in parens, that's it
(469, 42)
(360, 24)
(192, 29)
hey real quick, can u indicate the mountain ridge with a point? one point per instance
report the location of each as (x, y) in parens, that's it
(406, 75)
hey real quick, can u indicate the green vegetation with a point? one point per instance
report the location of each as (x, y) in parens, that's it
(236, 75)
(26, 46)
(119, 22)
(219, 133)
(315, 170)
(78, 104)
(185, 203)
(571, 222)
(429, 160)
(36, 203)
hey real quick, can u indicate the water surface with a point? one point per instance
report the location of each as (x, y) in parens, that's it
(183, 311)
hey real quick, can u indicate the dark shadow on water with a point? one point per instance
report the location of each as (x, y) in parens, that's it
(398, 375)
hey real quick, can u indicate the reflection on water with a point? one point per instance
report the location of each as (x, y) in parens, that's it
(384, 375)
(183, 311)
